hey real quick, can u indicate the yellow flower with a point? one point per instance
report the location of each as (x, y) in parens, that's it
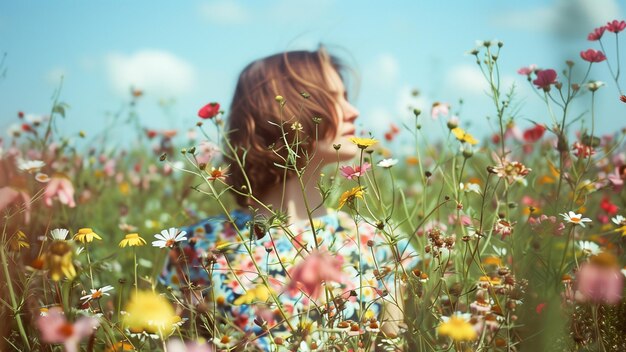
(58, 260)
(150, 312)
(349, 196)
(258, 294)
(457, 328)
(86, 235)
(622, 230)
(132, 239)
(363, 142)
(463, 136)
(18, 241)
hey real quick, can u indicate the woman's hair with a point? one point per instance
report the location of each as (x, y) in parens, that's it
(300, 78)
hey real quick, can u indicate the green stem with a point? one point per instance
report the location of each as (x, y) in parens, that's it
(14, 305)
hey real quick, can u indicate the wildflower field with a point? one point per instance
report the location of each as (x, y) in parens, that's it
(518, 237)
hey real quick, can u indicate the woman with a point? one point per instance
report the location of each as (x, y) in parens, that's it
(270, 276)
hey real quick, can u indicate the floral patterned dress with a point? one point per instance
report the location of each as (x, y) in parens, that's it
(230, 267)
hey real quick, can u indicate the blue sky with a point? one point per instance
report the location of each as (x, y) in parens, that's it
(190, 53)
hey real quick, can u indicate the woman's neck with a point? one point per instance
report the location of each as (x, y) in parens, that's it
(291, 199)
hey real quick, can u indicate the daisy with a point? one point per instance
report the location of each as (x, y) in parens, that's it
(363, 142)
(457, 327)
(575, 219)
(387, 163)
(30, 166)
(86, 235)
(97, 294)
(169, 237)
(619, 220)
(59, 234)
(588, 247)
(131, 240)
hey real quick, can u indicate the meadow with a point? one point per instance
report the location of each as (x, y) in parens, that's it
(519, 235)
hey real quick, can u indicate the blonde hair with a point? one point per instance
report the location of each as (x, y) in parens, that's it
(300, 77)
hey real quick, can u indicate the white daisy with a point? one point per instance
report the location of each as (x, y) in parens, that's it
(576, 219)
(169, 237)
(97, 294)
(30, 166)
(619, 220)
(469, 187)
(387, 163)
(588, 247)
(59, 234)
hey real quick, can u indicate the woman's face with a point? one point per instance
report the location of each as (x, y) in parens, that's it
(346, 114)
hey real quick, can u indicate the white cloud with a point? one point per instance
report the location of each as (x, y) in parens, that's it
(467, 80)
(565, 17)
(55, 75)
(383, 71)
(153, 71)
(225, 12)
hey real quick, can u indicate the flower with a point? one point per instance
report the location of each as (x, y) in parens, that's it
(350, 172)
(469, 187)
(169, 237)
(59, 234)
(363, 142)
(132, 240)
(58, 260)
(316, 268)
(457, 327)
(41, 177)
(17, 241)
(387, 163)
(217, 174)
(533, 134)
(260, 293)
(55, 328)
(608, 207)
(595, 85)
(596, 34)
(439, 109)
(503, 227)
(463, 136)
(582, 150)
(526, 71)
(175, 345)
(351, 195)
(30, 166)
(600, 280)
(86, 235)
(210, 110)
(511, 170)
(59, 187)
(151, 312)
(615, 26)
(545, 78)
(575, 219)
(592, 55)
(97, 294)
(588, 247)
(619, 220)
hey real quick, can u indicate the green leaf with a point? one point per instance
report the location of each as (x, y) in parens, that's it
(60, 109)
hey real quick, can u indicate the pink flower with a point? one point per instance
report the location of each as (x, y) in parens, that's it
(526, 71)
(615, 26)
(56, 329)
(592, 55)
(350, 172)
(599, 283)
(175, 345)
(545, 78)
(582, 151)
(596, 34)
(617, 178)
(439, 109)
(316, 268)
(59, 187)
(210, 110)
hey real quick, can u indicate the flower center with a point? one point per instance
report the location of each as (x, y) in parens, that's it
(66, 330)
(575, 219)
(170, 243)
(96, 294)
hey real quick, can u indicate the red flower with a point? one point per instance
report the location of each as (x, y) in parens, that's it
(623, 98)
(545, 78)
(26, 128)
(608, 207)
(20, 114)
(210, 110)
(596, 34)
(151, 133)
(593, 55)
(540, 307)
(534, 134)
(615, 26)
